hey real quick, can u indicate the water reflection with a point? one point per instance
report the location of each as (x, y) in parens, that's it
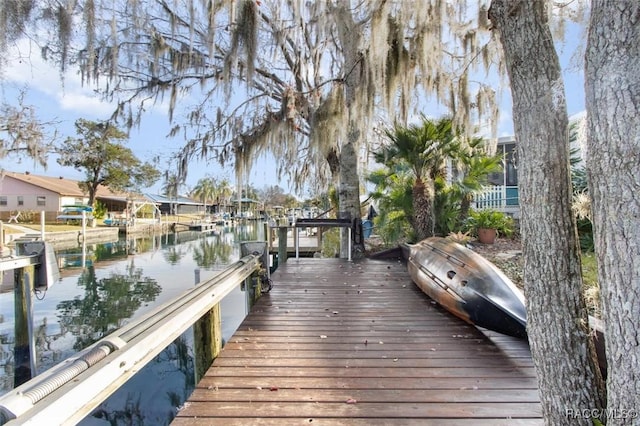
(173, 255)
(210, 252)
(153, 395)
(104, 286)
(106, 303)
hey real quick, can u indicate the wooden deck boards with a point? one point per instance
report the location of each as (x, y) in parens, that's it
(358, 344)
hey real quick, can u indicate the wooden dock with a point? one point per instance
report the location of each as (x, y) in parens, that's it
(358, 344)
(308, 245)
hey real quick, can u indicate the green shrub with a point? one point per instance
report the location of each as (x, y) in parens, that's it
(99, 210)
(331, 243)
(29, 216)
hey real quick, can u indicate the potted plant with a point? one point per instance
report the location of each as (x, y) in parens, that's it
(488, 224)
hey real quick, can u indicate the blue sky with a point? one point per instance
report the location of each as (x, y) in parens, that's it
(65, 103)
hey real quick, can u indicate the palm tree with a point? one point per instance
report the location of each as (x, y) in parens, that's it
(474, 166)
(224, 192)
(205, 190)
(170, 188)
(393, 190)
(424, 149)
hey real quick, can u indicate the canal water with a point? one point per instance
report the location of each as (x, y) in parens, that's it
(105, 286)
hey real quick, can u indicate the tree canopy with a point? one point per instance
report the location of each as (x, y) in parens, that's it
(22, 134)
(98, 152)
(302, 81)
(305, 81)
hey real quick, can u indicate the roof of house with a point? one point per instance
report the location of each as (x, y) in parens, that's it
(176, 200)
(65, 187)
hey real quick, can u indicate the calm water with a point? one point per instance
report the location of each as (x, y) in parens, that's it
(119, 282)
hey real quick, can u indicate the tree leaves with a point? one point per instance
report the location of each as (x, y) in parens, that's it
(100, 154)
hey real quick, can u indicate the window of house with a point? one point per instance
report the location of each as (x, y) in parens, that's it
(20, 200)
(509, 174)
(511, 157)
(41, 200)
(3, 200)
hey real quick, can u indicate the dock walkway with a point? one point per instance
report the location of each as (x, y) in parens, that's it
(358, 344)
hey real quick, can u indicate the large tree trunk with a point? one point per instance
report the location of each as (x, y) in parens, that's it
(349, 189)
(612, 73)
(557, 321)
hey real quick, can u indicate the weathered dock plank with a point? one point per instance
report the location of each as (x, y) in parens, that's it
(358, 343)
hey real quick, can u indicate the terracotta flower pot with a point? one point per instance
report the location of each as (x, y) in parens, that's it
(487, 235)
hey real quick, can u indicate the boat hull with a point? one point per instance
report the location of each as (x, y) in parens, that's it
(468, 286)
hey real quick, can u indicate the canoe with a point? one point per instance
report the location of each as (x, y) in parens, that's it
(468, 286)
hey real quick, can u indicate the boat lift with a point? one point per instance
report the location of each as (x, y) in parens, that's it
(35, 269)
(31, 250)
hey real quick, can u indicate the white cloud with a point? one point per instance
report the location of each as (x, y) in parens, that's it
(35, 73)
(80, 102)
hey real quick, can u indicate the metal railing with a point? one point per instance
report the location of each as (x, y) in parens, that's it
(70, 391)
(340, 223)
(317, 223)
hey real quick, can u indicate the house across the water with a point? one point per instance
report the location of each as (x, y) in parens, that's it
(26, 192)
(176, 205)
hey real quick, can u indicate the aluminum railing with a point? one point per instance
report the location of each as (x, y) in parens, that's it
(68, 392)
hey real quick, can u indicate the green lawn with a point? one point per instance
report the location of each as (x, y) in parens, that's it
(590, 283)
(48, 227)
(589, 269)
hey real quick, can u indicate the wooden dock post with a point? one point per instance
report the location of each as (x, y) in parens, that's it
(24, 351)
(254, 290)
(207, 340)
(253, 283)
(207, 337)
(282, 244)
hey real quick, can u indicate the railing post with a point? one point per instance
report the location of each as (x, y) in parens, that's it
(503, 203)
(267, 234)
(84, 225)
(282, 245)
(42, 222)
(24, 351)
